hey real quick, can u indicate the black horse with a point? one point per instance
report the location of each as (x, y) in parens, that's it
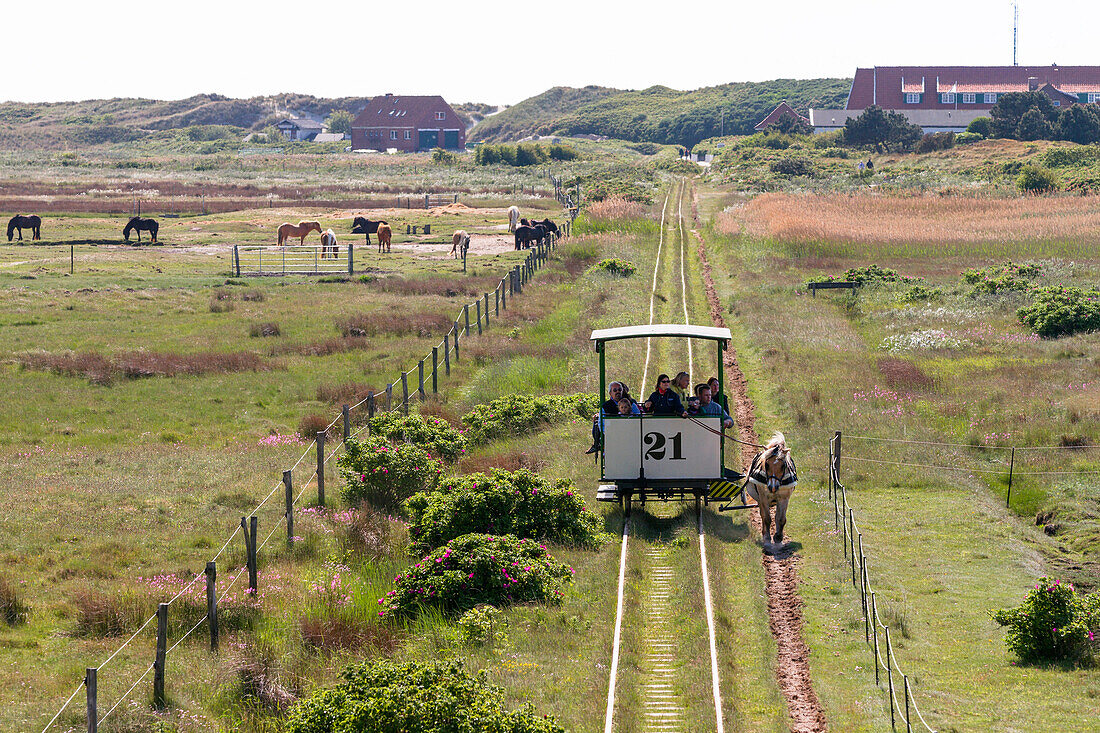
(363, 225)
(550, 226)
(20, 222)
(525, 236)
(140, 225)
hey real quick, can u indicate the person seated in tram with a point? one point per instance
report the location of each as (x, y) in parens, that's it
(722, 399)
(610, 406)
(628, 407)
(707, 405)
(681, 385)
(664, 401)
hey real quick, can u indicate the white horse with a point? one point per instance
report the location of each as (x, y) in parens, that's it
(513, 218)
(460, 242)
(329, 244)
(772, 478)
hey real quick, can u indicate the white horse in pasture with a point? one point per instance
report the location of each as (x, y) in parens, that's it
(329, 245)
(460, 242)
(513, 218)
(772, 478)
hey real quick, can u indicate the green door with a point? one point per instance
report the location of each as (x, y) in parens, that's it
(450, 139)
(429, 139)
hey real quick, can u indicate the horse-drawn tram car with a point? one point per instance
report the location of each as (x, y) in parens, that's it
(664, 457)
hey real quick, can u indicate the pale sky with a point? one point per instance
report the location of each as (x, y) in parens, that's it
(502, 52)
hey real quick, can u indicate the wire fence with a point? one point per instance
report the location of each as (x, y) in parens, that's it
(844, 523)
(424, 377)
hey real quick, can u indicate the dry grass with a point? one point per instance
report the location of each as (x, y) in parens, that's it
(925, 219)
(261, 680)
(902, 374)
(260, 330)
(375, 535)
(310, 425)
(109, 614)
(442, 286)
(323, 348)
(483, 462)
(98, 369)
(393, 324)
(348, 393)
(13, 609)
(613, 209)
(339, 632)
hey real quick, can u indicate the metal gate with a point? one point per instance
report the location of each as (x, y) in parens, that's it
(292, 260)
(428, 139)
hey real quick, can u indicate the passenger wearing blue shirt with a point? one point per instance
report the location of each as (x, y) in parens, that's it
(664, 401)
(707, 405)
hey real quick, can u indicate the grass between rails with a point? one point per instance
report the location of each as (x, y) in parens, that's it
(942, 548)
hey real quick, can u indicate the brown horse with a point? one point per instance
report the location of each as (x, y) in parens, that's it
(286, 231)
(385, 234)
(329, 245)
(460, 242)
(772, 478)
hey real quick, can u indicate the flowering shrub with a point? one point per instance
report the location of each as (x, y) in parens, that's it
(1053, 622)
(917, 293)
(430, 697)
(1062, 310)
(522, 414)
(869, 275)
(483, 625)
(475, 569)
(1001, 278)
(431, 433)
(521, 503)
(617, 266)
(384, 475)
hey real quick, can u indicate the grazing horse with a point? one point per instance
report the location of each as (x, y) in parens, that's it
(460, 243)
(551, 227)
(362, 225)
(385, 234)
(329, 245)
(772, 478)
(286, 231)
(140, 225)
(20, 222)
(513, 218)
(526, 235)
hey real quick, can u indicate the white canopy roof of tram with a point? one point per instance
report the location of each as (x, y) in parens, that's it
(674, 330)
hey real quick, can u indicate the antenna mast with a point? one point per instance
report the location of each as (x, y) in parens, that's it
(1015, 29)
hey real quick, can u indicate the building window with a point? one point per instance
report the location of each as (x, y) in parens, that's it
(912, 98)
(1094, 97)
(393, 134)
(441, 115)
(969, 98)
(408, 134)
(947, 98)
(1057, 103)
(991, 97)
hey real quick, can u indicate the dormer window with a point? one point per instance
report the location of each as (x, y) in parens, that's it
(441, 115)
(969, 98)
(991, 97)
(912, 98)
(947, 98)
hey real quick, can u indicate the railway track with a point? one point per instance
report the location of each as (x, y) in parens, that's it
(658, 662)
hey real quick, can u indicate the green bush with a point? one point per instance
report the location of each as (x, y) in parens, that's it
(678, 166)
(383, 474)
(520, 503)
(835, 153)
(980, 126)
(441, 156)
(433, 434)
(483, 625)
(1053, 623)
(1034, 179)
(431, 697)
(869, 275)
(1001, 278)
(645, 148)
(1076, 155)
(515, 414)
(792, 166)
(964, 138)
(935, 141)
(617, 266)
(478, 568)
(918, 293)
(563, 152)
(1062, 310)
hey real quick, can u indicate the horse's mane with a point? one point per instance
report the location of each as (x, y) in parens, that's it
(11, 225)
(776, 443)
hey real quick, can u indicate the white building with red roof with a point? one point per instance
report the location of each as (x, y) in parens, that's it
(940, 98)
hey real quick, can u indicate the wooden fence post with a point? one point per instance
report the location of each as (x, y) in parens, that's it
(405, 392)
(478, 304)
(345, 411)
(456, 341)
(212, 603)
(320, 468)
(466, 312)
(93, 707)
(836, 454)
(389, 397)
(447, 353)
(159, 701)
(890, 675)
(236, 262)
(1011, 467)
(435, 370)
(496, 298)
(486, 310)
(370, 408)
(420, 368)
(248, 524)
(351, 258)
(874, 627)
(288, 486)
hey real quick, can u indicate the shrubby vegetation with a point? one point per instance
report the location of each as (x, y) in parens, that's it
(1053, 623)
(1035, 179)
(881, 130)
(523, 154)
(384, 474)
(474, 569)
(432, 697)
(433, 434)
(515, 414)
(520, 503)
(792, 166)
(1001, 278)
(868, 275)
(1061, 310)
(617, 266)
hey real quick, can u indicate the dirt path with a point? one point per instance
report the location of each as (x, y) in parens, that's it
(780, 569)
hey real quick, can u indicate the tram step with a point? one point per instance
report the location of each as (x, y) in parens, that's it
(607, 492)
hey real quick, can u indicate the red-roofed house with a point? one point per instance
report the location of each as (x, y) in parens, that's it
(782, 110)
(948, 97)
(408, 124)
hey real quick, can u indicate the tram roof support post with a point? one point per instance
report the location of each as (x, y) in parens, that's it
(603, 376)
